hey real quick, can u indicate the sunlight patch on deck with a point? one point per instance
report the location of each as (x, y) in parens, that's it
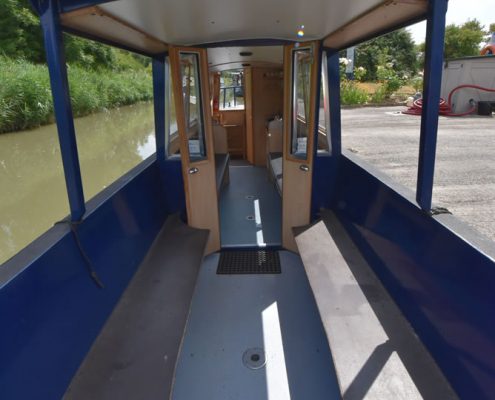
(277, 384)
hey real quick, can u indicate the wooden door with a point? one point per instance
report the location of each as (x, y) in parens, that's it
(301, 63)
(189, 72)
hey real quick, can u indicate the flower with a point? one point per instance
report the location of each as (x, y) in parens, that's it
(344, 61)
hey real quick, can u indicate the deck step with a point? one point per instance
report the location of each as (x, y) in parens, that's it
(376, 353)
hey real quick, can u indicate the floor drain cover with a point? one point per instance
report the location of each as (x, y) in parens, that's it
(249, 262)
(254, 358)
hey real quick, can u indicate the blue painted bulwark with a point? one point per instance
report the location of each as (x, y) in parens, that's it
(172, 181)
(51, 309)
(55, 57)
(159, 105)
(435, 32)
(443, 285)
(325, 167)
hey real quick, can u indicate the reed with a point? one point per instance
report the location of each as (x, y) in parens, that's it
(26, 100)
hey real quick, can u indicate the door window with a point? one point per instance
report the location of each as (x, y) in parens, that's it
(301, 89)
(191, 95)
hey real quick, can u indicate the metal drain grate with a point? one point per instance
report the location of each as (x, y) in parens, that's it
(249, 262)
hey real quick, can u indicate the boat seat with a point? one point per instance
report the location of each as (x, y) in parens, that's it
(135, 354)
(222, 170)
(375, 351)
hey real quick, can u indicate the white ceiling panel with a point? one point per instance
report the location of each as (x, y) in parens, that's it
(189, 22)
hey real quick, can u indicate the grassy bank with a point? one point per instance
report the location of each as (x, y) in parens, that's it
(26, 100)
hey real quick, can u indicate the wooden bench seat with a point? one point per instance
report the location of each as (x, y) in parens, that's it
(222, 170)
(135, 354)
(376, 353)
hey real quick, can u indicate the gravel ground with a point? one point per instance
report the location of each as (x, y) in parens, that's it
(465, 165)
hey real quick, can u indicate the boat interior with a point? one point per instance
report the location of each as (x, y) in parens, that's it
(250, 257)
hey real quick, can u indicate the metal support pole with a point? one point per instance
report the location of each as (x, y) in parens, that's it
(333, 74)
(159, 105)
(55, 57)
(435, 31)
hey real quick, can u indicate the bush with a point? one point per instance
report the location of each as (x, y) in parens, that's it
(26, 100)
(350, 93)
(392, 80)
(379, 95)
(417, 83)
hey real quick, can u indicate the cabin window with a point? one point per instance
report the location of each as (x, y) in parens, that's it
(191, 96)
(324, 145)
(301, 88)
(171, 131)
(232, 90)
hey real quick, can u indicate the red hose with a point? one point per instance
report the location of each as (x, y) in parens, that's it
(445, 108)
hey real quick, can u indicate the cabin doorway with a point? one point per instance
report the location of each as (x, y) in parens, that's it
(245, 100)
(249, 100)
(247, 170)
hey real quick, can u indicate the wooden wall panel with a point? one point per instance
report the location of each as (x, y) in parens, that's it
(268, 100)
(234, 122)
(248, 104)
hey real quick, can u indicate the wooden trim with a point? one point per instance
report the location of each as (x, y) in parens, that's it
(181, 120)
(297, 185)
(388, 14)
(179, 111)
(288, 104)
(77, 20)
(205, 187)
(92, 10)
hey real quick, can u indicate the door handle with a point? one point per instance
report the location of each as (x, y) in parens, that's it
(304, 167)
(193, 170)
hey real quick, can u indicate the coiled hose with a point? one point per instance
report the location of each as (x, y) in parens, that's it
(446, 106)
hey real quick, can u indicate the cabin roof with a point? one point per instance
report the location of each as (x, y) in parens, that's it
(150, 25)
(224, 58)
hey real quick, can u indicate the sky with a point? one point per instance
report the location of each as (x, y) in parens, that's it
(460, 11)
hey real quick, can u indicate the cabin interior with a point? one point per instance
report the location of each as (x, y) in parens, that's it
(251, 257)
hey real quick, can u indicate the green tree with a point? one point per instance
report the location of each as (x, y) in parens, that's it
(20, 33)
(463, 40)
(21, 38)
(396, 47)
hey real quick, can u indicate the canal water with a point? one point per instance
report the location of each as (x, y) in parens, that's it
(33, 194)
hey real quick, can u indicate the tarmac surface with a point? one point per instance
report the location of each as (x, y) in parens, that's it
(465, 164)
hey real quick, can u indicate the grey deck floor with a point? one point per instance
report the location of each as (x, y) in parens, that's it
(231, 313)
(465, 166)
(249, 185)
